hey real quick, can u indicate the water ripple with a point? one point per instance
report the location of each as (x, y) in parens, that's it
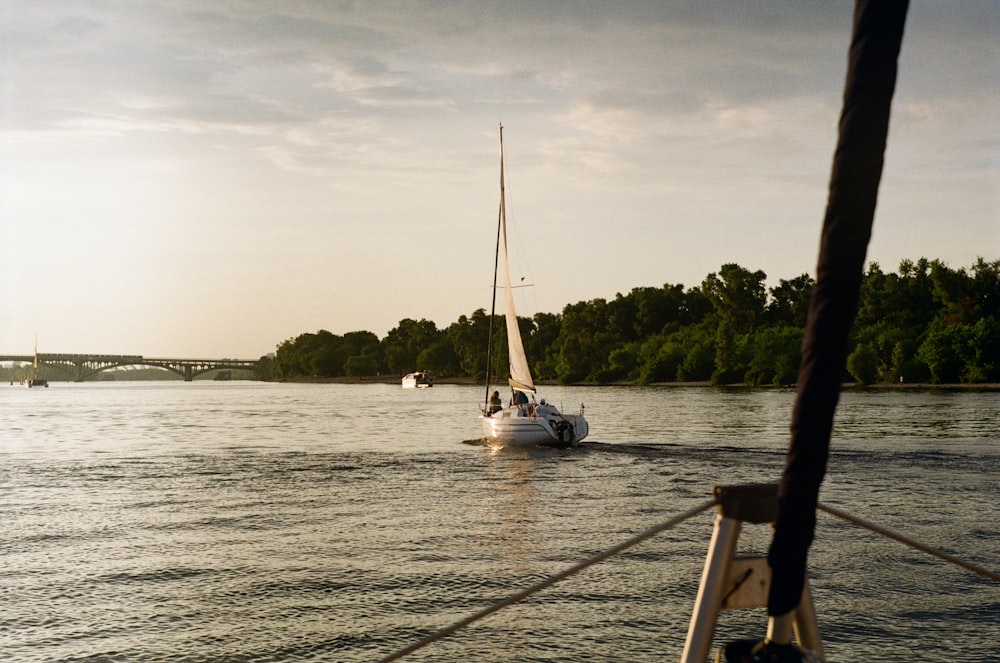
(283, 523)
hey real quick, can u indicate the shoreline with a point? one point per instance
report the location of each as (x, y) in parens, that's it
(881, 386)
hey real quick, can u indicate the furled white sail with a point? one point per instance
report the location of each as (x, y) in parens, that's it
(520, 374)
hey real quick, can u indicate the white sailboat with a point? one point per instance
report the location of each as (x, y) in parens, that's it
(522, 422)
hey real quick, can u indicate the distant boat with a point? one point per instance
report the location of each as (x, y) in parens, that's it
(34, 380)
(418, 380)
(523, 422)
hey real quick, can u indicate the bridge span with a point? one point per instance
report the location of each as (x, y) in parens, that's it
(83, 366)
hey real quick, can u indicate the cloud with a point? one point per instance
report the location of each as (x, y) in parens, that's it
(652, 141)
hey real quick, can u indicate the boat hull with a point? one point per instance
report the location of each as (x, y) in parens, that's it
(510, 428)
(418, 381)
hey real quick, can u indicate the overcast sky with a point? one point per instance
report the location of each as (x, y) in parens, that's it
(207, 179)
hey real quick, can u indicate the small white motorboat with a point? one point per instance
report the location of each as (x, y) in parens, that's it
(418, 380)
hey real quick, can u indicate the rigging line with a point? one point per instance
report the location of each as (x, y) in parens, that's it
(496, 267)
(551, 580)
(910, 542)
(522, 263)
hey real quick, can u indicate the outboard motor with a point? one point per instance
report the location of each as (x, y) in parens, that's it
(564, 428)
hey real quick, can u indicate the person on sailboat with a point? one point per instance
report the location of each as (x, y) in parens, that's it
(520, 399)
(543, 410)
(496, 404)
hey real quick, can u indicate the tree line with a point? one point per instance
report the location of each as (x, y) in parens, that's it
(926, 322)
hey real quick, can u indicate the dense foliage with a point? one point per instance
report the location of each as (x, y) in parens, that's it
(927, 322)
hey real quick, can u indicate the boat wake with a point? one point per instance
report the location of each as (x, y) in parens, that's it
(651, 450)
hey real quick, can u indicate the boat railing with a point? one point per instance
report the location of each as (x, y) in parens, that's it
(727, 510)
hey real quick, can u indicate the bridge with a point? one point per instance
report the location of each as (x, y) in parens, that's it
(84, 366)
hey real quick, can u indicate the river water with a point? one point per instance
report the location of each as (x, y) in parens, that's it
(215, 521)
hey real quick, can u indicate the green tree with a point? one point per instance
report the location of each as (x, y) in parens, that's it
(775, 356)
(875, 298)
(360, 343)
(468, 337)
(303, 355)
(789, 302)
(666, 306)
(944, 352)
(699, 362)
(986, 287)
(267, 369)
(583, 344)
(967, 295)
(660, 359)
(622, 364)
(729, 364)
(440, 358)
(622, 312)
(542, 343)
(919, 306)
(402, 345)
(983, 363)
(326, 355)
(906, 367)
(863, 364)
(685, 354)
(927, 321)
(963, 353)
(361, 354)
(360, 366)
(953, 290)
(893, 348)
(738, 297)
(904, 300)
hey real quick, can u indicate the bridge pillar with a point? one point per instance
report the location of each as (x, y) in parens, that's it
(78, 370)
(188, 374)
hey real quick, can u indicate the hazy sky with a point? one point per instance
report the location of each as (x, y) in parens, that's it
(183, 178)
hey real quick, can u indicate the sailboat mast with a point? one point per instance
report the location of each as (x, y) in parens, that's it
(496, 265)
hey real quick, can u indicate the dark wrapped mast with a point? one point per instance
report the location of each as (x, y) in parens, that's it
(857, 168)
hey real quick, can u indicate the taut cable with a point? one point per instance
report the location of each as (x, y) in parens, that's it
(551, 580)
(649, 533)
(910, 542)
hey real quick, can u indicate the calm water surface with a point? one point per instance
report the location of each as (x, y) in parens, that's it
(263, 522)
